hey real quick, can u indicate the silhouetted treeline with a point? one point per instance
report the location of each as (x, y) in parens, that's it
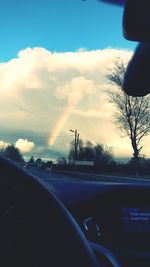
(13, 153)
(104, 162)
(87, 151)
(109, 168)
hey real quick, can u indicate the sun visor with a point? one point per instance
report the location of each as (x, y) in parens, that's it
(137, 77)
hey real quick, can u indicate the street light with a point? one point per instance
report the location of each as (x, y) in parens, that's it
(76, 141)
(71, 130)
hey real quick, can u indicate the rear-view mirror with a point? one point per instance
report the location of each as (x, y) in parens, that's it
(137, 77)
(136, 20)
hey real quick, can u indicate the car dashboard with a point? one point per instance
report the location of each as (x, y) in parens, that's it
(114, 216)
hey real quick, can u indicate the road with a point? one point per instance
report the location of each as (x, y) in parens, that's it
(48, 176)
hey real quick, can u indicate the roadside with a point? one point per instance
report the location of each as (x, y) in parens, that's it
(60, 175)
(102, 177)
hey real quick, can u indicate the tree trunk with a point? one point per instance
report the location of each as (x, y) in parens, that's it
(136, 165)
(135, 157)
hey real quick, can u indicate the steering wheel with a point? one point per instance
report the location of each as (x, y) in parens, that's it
(35, 228)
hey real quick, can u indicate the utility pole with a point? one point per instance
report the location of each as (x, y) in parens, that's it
(76, 143)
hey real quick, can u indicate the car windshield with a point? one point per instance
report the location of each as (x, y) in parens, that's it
(61, 71)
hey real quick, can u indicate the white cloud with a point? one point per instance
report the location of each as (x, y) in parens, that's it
(3, 144)
(45, 91)
(75, 89)
(90, 113)
(39, 68)
(24, 145)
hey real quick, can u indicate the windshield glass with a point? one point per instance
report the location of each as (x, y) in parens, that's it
(58, 65)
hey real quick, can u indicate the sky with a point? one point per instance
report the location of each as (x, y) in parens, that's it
(59, 26)
(54, 56)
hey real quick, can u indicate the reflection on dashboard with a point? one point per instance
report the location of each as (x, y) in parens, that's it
(123, 218)
(136, 219)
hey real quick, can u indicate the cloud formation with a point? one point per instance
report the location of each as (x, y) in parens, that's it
(38, 68)
(50, 92)
(3, 144)
(24, 145)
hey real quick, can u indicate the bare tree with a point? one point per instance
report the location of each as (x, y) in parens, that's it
(132, 115)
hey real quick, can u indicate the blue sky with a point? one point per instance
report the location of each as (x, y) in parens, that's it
(60, 25)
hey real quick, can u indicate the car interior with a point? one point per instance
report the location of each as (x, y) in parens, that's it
(78, 223)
